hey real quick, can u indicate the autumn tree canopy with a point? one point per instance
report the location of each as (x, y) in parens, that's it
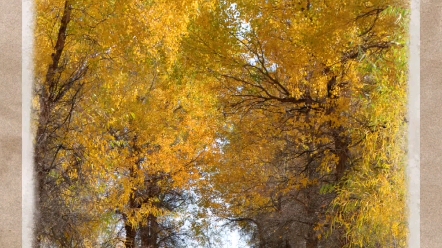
(284, 118)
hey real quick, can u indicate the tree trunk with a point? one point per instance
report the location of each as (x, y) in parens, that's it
(44, 153)
(341, 150)
(149, 233)
(130, 236)
(312, 209)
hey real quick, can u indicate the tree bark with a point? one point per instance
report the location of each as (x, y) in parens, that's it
(149, 233)
(131, 233)
(45, 153)
(341, 150)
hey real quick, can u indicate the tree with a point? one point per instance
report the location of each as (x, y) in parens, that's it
(129, 154)
(58, 91)
(291, 82)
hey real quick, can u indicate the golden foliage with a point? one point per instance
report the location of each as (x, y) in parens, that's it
(254, 104)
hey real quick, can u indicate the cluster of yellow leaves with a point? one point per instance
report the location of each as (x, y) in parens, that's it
(141, 115)
(268, 53)
(371, 204)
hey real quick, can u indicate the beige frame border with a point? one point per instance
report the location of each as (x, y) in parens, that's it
(431, 132)
(10, 123)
